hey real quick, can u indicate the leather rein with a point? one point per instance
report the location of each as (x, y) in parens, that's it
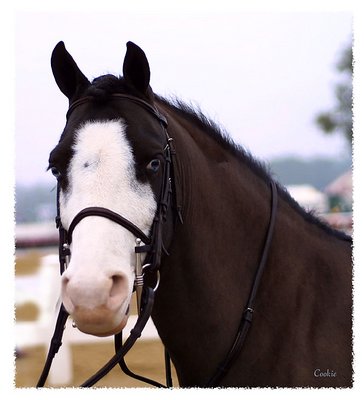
(153, 248)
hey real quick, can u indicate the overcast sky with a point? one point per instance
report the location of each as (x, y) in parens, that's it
(263, 76)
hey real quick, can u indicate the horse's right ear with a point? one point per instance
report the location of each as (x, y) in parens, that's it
(68, 76)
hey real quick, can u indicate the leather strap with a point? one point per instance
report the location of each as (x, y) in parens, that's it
(247, 317)
(87, 99)
(109, 214)
(56, 343)
(135, 333)
(118, 343)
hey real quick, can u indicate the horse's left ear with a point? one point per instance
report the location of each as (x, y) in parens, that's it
(136, 68)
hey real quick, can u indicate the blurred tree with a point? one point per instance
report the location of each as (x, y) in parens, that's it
(340, 118)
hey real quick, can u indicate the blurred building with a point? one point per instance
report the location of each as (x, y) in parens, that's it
(41, 234)
(309, 198)
(334, 204)
(340, 193)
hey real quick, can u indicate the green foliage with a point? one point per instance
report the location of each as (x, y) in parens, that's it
(340, 118)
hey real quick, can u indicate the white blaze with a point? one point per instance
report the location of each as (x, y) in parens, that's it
(102, 173)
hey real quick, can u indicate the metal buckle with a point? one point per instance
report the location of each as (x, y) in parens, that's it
(66, 253)
(139, 276)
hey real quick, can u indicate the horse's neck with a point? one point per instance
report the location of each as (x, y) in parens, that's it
(207, 278)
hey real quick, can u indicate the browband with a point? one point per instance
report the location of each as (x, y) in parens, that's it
(86, 99)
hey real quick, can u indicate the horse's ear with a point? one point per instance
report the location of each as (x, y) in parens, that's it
(136, 68)
(68, 76)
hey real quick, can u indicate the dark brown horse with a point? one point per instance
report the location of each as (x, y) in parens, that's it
(112, 155)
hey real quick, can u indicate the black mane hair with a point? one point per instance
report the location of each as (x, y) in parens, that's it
(261, 169)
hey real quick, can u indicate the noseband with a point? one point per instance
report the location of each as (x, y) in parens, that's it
(153, 248)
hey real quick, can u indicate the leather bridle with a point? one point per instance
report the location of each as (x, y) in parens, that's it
(153, 247)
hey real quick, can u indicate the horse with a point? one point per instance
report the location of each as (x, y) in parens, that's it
(130, 164)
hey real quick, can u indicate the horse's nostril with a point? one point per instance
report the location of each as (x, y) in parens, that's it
(118, 285)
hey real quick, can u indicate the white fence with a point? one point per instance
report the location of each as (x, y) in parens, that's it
(43, 289)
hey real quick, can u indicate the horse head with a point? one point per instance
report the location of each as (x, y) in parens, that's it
(111, 155)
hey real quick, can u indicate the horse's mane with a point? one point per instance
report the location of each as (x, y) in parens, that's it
(261, 169)
(108, 84)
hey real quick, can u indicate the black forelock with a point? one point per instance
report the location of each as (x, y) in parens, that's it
(105, 85)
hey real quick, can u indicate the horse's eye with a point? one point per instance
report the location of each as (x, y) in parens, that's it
(55, 172)
(154, 165)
